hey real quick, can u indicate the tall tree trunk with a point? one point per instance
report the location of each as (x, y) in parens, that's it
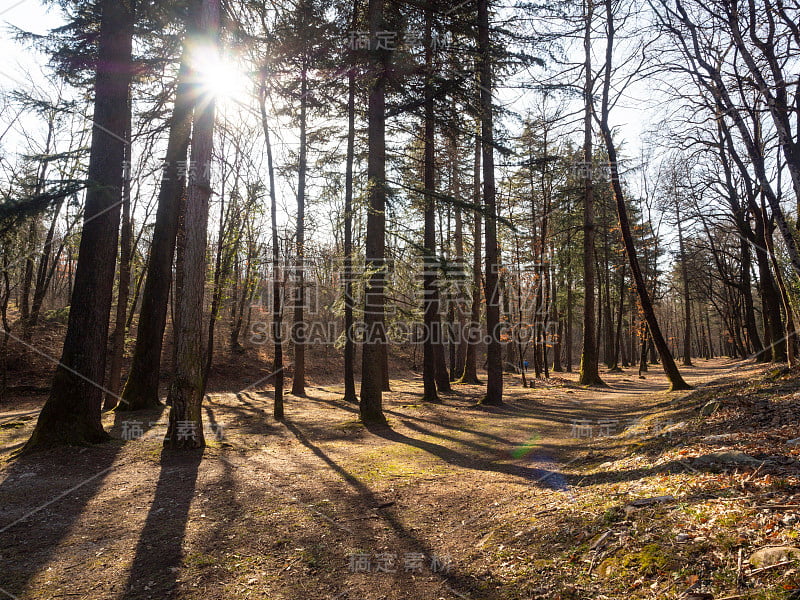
(370, 405)
(277, 311)
(668, 363)
(643, 351)
(687, 298)
(430, 267)
(246, 296)
(517, 328)
(607, 312)
(28, 312)
(494, 368)
(457, 368)
(570, 319)
(543, 317)
(185, 429)
(589, 372)
(180, 253)
(470, 374)
(72, 413)
(710, 339)
(599, 320)
(349, 342)
(24, 301)
(141, 386)
(618, 333)
(559, 333)
(299, 326)
(433, 300)
(135, 298)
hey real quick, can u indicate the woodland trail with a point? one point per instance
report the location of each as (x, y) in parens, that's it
(316, 508)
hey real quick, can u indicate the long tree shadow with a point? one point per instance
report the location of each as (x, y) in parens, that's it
(42, 497)
(159, 552)
(459, 583)
(443, 424)
(340, 404)
(481, 448)
(533, 474)
(545, 477)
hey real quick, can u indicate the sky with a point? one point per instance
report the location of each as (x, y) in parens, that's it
(29, 15)
(21, 63)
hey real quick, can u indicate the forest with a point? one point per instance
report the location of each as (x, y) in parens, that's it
(380, 299)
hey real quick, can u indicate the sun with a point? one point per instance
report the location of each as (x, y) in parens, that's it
(220, 75)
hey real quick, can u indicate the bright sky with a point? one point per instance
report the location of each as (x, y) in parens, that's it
(630, 116)
(29, 15)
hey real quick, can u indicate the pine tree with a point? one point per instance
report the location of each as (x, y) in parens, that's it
(72, 412)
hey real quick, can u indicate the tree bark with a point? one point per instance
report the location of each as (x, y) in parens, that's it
(221, 266)
(349, 342)
(430, 267)
(770, 296)
(299, 326)
(277, 311)
(687, 299)
(470, 374)
(185, 430)
(494, 368)
(370, 405)
(589, 372)
(72, 412)
(570, 310)
(614, 363)
(457, 369)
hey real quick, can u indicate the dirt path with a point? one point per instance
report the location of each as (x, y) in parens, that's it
(316, 508)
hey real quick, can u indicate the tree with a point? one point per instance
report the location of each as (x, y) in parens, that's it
(185, 430)
(349, 341)
(701, 53)
(301, 49)
(431, 267)
(667, 361)
(470, 374)
(494, 370)
(277, 311)
(298, 326)
(459, 354)
(72, 413)
(374, 346)
(589, 374)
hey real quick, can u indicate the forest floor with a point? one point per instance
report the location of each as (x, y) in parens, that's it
(563, 493)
